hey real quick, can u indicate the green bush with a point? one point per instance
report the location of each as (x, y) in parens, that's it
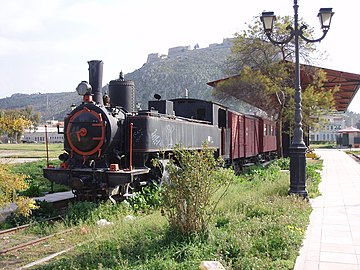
(45, 210)
(188, 195)
(313, 178)
(147, 199)
(283, 163)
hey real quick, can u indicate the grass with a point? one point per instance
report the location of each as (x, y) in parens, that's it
(326, 145)
(30, 150)
(354, 151)
(256, 226)
(38, 185)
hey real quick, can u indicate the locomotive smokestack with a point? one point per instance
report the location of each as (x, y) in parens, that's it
(95, 79)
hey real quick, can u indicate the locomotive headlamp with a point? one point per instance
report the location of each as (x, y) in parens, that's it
(84, 88)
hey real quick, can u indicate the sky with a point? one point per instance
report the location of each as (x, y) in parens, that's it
(45, 44)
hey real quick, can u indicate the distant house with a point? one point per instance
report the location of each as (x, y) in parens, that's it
(350, 136)
(329, 132)
(37, 134)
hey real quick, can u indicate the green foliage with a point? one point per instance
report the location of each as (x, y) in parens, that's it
(313, 178)
(10, 184)
(44, 210)
(266, 76)
(80, 212)
(37, 184)
(14, 122)
(90, 212)
(283, 163)
(187, 196)
(147, 199)
(252, 47)
(259, 172)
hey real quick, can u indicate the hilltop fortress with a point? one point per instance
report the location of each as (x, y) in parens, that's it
(176, 51)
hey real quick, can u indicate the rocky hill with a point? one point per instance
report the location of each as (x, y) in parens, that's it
(168, 76)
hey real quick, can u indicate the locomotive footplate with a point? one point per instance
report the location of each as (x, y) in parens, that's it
(87, 176)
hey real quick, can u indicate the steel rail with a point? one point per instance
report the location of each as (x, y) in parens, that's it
(22, 227)
(33, 242)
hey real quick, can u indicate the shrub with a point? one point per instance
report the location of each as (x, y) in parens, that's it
(283, 163)
(10, 184)
(43, 211)
(188, 195)
(146, 199)
(313, 179)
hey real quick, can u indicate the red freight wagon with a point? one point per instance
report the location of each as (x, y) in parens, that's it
(251, 136)
(236, 125)
(267, 136)
(245, 135)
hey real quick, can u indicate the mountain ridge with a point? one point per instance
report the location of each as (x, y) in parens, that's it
(168, 76)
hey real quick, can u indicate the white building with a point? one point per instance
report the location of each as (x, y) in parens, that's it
(37, 135)
(350, 136)
(329, 132)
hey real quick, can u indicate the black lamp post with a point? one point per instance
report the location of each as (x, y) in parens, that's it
(298, 147)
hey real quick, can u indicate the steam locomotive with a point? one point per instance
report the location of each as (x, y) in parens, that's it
(110, 148)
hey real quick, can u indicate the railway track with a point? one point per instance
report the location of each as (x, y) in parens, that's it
(33, 242)
(23, 227)
(22, 250)
(24, 244)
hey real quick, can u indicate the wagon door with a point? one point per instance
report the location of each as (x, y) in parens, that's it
(251, 143)
(237, 135)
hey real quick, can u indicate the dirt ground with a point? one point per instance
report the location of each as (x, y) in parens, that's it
(4, 159)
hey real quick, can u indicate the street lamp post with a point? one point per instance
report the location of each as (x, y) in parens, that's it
(298, 147)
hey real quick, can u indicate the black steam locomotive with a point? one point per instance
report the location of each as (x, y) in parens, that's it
(110, 149)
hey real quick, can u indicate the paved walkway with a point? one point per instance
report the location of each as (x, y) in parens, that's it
(333, 236)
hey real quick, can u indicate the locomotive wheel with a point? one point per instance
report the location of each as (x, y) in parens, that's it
(157, 171)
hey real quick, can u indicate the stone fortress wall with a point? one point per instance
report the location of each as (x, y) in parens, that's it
(175, 51)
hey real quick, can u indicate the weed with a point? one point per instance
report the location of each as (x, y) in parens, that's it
(147, 199)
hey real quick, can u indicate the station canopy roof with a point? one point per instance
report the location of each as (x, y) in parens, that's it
(349, 130)
(349, 84)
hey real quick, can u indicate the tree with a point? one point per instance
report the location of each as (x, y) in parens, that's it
(29, 114)
(14, 122)
(267, 78)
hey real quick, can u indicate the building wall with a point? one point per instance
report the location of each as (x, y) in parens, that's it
(329, 133)
(38, 135)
